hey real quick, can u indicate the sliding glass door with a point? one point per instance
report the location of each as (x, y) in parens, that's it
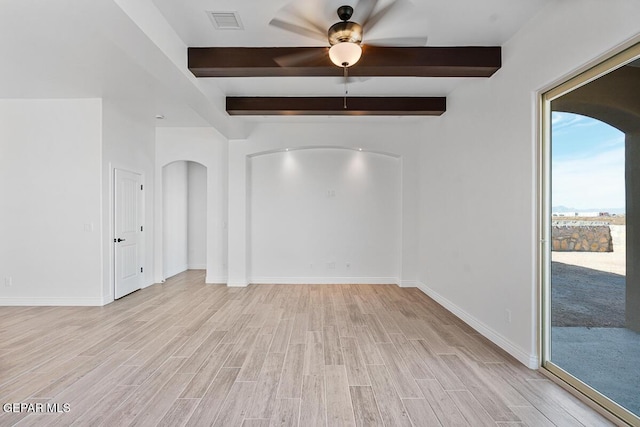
(591, 230)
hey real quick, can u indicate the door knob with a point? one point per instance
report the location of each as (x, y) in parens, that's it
(120, 240)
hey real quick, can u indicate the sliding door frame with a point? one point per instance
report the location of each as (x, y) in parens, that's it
(608, 65)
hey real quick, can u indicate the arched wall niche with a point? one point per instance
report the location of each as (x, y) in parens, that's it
(323, 214)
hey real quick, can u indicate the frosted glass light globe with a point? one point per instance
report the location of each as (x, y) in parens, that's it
(345, 54)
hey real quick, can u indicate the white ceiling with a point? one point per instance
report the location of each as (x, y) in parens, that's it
(136, 49)
(445, 23)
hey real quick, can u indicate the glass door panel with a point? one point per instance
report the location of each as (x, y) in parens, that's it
(593, 230)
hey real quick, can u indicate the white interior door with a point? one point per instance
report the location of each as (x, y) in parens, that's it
(128, 229)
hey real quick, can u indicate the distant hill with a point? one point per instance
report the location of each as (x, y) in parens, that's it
(564, 209)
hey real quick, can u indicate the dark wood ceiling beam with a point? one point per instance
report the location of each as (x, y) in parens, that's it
(334, 106)
(376, 61)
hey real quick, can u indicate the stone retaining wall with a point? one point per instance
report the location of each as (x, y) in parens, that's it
(574, 236)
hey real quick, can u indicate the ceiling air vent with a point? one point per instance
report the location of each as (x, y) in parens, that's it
(225, 20)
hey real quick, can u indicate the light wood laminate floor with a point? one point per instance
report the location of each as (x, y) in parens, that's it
(186, 353)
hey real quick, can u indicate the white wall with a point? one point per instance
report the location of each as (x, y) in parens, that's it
(128, 142)
(396, 137)
(197, 216)
(479, 160)
(50, 218)
(324, 215)
(207, 147)
(175, 209)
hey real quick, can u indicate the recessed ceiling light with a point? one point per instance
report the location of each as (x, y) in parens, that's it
(359, 149)
(160, 116)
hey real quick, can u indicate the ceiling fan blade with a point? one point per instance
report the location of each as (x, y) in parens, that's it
(301, 58)
(363, 10)
(398, 42)
(376, 17)
(287, 26)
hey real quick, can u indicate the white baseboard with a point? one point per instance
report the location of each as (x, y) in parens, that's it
(215, 280)
(237, 284)
(409, 284)
(55, 301)
(197, 267)
(324, 280)
(529, 360)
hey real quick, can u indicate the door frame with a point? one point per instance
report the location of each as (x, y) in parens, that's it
(604, 65)
(112, 228)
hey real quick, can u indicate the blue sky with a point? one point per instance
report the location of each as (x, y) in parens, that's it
(587, 163)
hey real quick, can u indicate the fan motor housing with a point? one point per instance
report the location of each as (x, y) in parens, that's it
(345, 31)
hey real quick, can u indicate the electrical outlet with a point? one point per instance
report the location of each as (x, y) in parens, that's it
(348, 265)
(8, 281)
(508, 313)
(331, 265)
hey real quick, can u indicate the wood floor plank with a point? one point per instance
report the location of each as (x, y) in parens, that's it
(267, 387)
(291, 380)
(399, 372)
(209, 406)
(441, 371)
(286, 413)
(97, 414)
(207, 373)
(332, 348)
(314, 354)
(281, 336)
(370, 352)
(339, 410)
(391, 408)
(144, 393)
(179, 412)
(299, 329)
(157, 408)
(441, 403)
(234, 409)
(471, 409)
(256, 422)
(365, 408)
(343, 322)
(196, 360)
(579, 410)
(313, 411)
(377, 330)
(420, 412)
(242, 348)
(354, 362)
(531, 416)
(490, 400)
(414, 362)
(255, 359)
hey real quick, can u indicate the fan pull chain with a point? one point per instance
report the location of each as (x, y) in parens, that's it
(346, 91)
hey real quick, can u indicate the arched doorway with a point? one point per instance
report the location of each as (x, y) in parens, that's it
(184, 224)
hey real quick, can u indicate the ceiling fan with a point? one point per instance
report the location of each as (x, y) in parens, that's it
(345, 37)
(344, 44)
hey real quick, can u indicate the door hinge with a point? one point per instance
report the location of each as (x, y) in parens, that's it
(141, 187)
(141, 269)
(141, 228)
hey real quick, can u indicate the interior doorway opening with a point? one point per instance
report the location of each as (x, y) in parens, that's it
(184, 227)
